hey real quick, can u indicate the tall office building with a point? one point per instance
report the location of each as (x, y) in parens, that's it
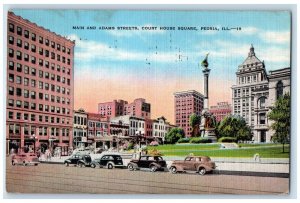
(185, 104)
(39, 111)
(255, 91)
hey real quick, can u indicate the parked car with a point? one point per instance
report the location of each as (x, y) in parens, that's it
(108, 161)
(80, 160)
(25, 159)
(199, 164)
(154, 163)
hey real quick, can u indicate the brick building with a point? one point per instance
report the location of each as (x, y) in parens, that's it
(39, 87)
(80, 128)
(139, 107)
(185, 104)
(221, 110)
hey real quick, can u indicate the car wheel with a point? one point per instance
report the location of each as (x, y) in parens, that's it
(110, 166)
(24, 163)
(93, 166)
(130, 167)
(35, 164)
(202, 171)
(153, 168)
(173, 169)
(13, 163)
(67, 164)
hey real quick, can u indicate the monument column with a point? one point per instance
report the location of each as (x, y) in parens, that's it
(206, 72)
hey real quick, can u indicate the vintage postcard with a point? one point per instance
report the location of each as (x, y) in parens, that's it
(148, 102)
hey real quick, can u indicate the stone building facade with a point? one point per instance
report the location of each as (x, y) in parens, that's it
(255, 91)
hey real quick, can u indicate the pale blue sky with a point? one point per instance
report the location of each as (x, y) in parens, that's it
(150, 57)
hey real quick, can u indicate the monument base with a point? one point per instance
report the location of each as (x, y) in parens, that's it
(210, 134)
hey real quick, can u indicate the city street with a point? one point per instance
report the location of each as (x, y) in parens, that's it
(56, 178)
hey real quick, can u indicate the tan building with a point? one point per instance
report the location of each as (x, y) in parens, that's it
(255, 91)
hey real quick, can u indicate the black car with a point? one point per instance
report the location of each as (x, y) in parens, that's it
(108, 161)
(154, 163)
(80, 160)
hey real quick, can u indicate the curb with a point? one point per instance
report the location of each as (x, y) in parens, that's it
(224, 172)
(252, 173)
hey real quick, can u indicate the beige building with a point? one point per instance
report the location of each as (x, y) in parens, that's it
(255, 91)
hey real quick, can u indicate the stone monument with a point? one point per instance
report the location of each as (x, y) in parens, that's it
(208, 121)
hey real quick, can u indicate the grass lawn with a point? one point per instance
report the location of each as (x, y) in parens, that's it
(213, 150)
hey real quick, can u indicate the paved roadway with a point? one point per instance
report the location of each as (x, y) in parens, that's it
(56, 178)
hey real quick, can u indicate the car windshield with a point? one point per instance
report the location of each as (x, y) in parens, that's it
(158, 158)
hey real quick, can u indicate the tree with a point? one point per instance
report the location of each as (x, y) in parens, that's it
(234, 126)
(281, 116)
(194, 123)
(174, 135)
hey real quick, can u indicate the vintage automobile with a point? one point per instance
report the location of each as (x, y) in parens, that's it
(25, 159)
(80, 160)
(108, 161)
(199, 164)
(154, 163)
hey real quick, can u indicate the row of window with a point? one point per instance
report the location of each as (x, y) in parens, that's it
(35, 106)
(40, 118)
(33, 83)
(19, 68)
(80, 120)
(42, 131)
(33, 37)
(24, 56)
(93, 124)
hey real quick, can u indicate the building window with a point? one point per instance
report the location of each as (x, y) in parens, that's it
(33, 59)
(47, 42)
(11, 27)
(19, 67)
(40, 118)
(11, 53)
(11, 115)
(33, 48)
(19, 42)
(41, 62)
(68, 51)
(26, 33)
(26, 81)
(32, 94)
(11, 102)
(47, 64)
(19, 30)
(26, 57)
(26, 105)
(26, 45)
(41, 96)
(26, 93)
(52, 55)
(41, 51)
(40, 84)
(11, 65)
(33, 106)
(52, 44)
(32, 117)
(41, 73)
(32, 83)
(262, 102)
(19, 55)
(11, 77)
(33, 71)
(262, 118)
(18, 104)
(279, 89)
(33, 36)
(11, 40)
(11, 90)
(41, 40)
(19, 80)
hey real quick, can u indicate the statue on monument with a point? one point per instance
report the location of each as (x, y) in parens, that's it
(208, 122)
(204, 63)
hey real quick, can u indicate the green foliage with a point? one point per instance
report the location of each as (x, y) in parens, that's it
(174, 135)
(198, 140)
(130, 146)
(184, 140)
(194, 123)
(227, 139)
(234, 126)
(281, 116)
